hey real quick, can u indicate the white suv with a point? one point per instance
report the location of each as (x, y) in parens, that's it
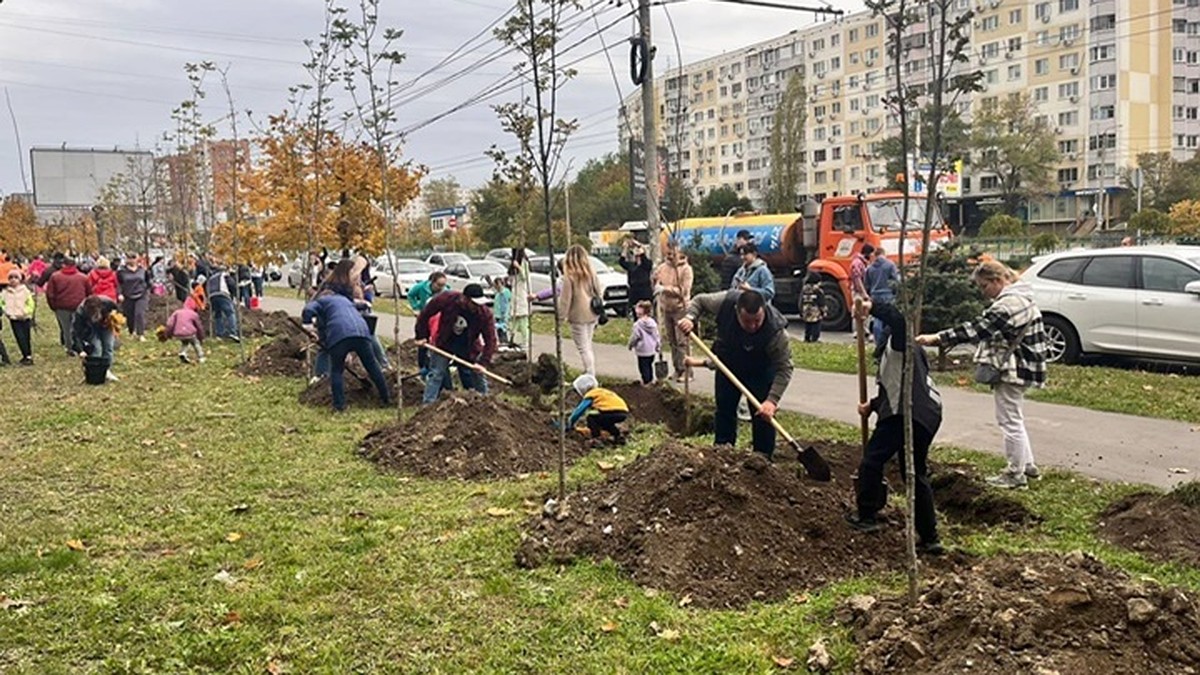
(1141, 301)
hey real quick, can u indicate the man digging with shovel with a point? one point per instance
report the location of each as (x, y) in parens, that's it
(754, 359)
(466, 331)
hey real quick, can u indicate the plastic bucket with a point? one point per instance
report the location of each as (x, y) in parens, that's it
(255, 302)
(95, 369)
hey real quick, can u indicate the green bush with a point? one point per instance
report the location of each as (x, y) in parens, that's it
(1002, 225)
(1150, 221)
(950, 295)
(1045, 242)
(1187, 494)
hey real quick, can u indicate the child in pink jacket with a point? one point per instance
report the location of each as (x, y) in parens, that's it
(644, 340)
(184, 325)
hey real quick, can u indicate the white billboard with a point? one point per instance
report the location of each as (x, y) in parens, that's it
(67, 177)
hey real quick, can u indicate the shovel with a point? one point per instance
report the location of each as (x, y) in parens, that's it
(461, 362)
(814, 464)
(861, 340)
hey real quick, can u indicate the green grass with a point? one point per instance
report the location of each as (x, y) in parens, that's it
(179, 473)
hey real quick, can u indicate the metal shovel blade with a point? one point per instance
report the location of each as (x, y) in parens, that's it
(814, 464)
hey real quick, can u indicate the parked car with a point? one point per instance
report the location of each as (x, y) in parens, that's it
(459, 274)
(1139, 301)
(441, 260)
(613, 284)
(504, 255)
(409, 272)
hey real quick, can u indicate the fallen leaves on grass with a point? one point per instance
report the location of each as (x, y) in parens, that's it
(231, 618)
(622, 602)
(667, 634)
(784, 661)
(252, 564)
(76, 545)
(15, 604)
(605, 466)
(497, 512)
(608, 627)
(233, 537)
(225, 577)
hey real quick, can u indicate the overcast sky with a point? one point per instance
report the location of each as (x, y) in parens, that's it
(107, 73)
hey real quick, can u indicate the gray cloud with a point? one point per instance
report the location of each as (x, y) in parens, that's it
(108, 73)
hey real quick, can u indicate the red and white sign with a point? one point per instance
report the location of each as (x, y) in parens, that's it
(452, 222)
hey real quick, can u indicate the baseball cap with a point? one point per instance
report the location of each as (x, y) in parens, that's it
(473, 291)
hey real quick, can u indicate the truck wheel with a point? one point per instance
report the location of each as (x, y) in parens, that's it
(837, 315)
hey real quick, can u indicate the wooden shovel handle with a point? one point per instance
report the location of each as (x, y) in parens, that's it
(468, 364)
(738, 383)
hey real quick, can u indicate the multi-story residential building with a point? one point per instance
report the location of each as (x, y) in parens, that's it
(1112, 79)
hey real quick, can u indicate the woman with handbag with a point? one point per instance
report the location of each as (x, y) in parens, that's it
(1011, 357)
(579, 301)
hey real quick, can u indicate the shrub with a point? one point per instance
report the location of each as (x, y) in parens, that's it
(1002, 225)
(1150, 221)
(1187, 494)
(1045, 242)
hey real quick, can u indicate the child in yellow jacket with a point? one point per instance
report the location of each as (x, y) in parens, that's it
(607, 409)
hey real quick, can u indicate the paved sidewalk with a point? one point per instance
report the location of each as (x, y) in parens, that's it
(1103, 445)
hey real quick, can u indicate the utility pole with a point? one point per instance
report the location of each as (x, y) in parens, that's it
(567, 187)
(650, 134)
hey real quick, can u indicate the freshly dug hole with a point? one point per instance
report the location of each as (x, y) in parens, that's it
(722, 526)
(964, 498)
(1162, 527)
(468, 435)
(1041, 613)
(254, 323)
(360, 393)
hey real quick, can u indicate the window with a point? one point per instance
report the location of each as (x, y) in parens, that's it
(1042, 10)
(835, 153)
(1164, 274)
(1104, 22)
(1068, 61)
(1069, 33)
(1068, 119)
(1110, 271)
(872, 30)
(1179, 55)
(1067, 5)
(1102, 82)
(1068, 147)
(819, 155)
(1041, 94)
(1068, 89)
(990, 50)
(1066, 269)
(1014, 17)
(1068, 175)
(1014, 44)
(989, 183)
(1014, 72)
(1179, 84)
(1105, 52)
(1041, 66)
(989, 23)
(853, 37)
(835, 40)
(1105, 112)
(991, 77)
(1179, 26)
(1102, 142)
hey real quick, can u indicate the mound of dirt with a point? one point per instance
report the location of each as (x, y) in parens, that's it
(360, 393)
(1159, 526)
(663, 404)
(467, 435)
(284, 357)
(964, 498)
(721, 526)
(254, 323)
(1029, 614)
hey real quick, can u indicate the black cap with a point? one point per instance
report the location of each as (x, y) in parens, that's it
(744, 234)
(473, 291)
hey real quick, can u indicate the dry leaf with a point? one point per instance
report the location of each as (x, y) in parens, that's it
(622, 602)
(239, 508)
(962, 382)
(608, 627)
(253, 563)
(497, 512)
(685, 601)
(274, 668)
(225, 578)
(231, 618)
(76, 545)
(13, 603)
(606, 466)
(670, 635)
(148, 442)
(784, 661)
(233, 537)
(1147, 387)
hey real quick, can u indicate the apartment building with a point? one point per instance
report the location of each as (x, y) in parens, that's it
(1113, 79)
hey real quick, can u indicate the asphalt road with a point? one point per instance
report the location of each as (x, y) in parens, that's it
(1103, 445)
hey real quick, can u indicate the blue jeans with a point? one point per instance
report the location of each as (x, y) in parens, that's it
(337, 367)
(877, 327)
(224, 316)
(439, 374)
(321, 367)
(102, 344)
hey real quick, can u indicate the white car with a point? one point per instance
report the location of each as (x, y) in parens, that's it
(409, 272)
(1138, 301)
(504, 255)
(614, 286)
(482, 272)
(441, 260)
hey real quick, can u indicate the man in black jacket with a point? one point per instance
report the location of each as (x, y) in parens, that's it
(637, 268)
(887, 440)
(752, 342)
(733, 260)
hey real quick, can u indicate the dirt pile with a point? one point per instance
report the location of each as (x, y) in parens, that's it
(1163, 527)
(666, 405)
(254, 323)
(284, 357)
(963, 497)
(360, 393)
(719, 526)
(1029, 614)
(159, 309)
(466, 435)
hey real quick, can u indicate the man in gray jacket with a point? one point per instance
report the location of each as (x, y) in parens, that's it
(752, 342)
